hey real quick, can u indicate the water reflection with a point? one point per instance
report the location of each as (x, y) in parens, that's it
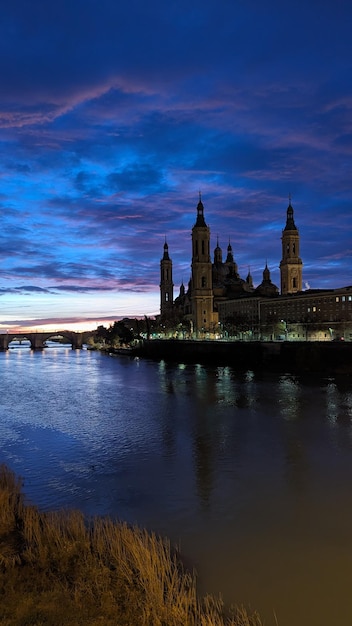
(249, 473)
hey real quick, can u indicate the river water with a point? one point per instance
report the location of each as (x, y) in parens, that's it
(250, 475)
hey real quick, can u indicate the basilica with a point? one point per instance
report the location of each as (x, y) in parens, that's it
(216, 293)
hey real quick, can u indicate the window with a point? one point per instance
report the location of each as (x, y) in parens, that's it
(203, 249)
(337, 299)
(204, 281)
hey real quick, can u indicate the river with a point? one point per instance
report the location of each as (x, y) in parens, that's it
(250, 475)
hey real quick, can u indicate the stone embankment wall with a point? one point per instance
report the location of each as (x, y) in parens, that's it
(295, 357)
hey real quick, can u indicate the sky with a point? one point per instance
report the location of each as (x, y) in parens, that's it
(115, 115)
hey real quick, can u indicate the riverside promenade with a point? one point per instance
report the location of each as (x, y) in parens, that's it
(279, 356)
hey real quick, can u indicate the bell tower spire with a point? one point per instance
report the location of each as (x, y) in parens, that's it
(202, 287)
(291, 263)
(166, 284)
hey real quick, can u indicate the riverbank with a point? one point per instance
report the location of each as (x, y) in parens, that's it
(56, 568)
(295, 357)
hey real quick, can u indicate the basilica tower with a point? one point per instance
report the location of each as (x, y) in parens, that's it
(166, 284)
(291, 264)
(202, 289)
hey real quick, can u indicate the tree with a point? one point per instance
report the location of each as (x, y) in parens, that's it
(120, 333)
(102, 334)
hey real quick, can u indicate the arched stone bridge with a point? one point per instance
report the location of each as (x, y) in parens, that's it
(38, 339)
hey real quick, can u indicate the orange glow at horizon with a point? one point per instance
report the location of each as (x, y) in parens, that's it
(82, 326)
(60, 326)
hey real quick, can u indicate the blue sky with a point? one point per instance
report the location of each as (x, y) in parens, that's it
(113, 115)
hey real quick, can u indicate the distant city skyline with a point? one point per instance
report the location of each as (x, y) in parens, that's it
(113, 116)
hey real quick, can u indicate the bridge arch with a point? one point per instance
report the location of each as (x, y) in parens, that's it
(17, 338)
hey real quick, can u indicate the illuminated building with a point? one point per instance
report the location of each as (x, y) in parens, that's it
(219, 303)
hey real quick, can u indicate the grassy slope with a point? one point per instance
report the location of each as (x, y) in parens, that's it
(58, 569)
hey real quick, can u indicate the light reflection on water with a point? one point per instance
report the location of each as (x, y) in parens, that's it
(250, 474)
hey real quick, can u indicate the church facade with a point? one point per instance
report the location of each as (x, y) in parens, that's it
(218, 302)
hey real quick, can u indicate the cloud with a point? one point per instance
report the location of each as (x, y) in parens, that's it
(23, 290)
(114, 116)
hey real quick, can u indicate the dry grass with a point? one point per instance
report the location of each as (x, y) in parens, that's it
(57, 569)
